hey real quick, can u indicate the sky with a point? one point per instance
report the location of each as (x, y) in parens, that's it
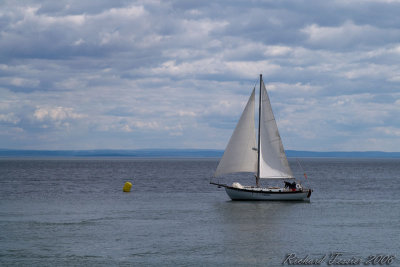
(120, 74)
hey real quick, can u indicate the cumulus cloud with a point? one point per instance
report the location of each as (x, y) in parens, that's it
(9, 118)
(138, 74)
(56, 113)
(348, 35)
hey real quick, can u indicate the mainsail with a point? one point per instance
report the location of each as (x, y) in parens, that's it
(273, 162)
(239, 155)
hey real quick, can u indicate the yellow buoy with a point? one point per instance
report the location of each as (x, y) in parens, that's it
(127, 187)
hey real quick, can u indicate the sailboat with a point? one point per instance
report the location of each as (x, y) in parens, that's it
(265, 158)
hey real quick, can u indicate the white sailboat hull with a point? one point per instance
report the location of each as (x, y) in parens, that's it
(257, 194)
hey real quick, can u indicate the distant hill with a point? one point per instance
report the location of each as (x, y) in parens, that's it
(182, 153)
(142, 153)
(342, 154)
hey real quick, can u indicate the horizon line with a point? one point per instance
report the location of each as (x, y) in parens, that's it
(181, 153)
(199, 149)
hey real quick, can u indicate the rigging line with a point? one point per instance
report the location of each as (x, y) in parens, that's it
(301, 167)
(255, 83)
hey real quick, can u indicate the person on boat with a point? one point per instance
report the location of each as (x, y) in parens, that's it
(290, 185)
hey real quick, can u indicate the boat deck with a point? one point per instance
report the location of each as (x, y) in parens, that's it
(259, 189)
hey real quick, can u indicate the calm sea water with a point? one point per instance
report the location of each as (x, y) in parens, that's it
(63, 212)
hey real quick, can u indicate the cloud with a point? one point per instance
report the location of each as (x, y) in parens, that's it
(55, 114)
(346, 35)
(143, 74)
(9, 118)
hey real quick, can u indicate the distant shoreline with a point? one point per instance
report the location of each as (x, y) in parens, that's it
(183, 153)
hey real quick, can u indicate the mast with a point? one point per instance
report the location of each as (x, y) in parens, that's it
(259, 144)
